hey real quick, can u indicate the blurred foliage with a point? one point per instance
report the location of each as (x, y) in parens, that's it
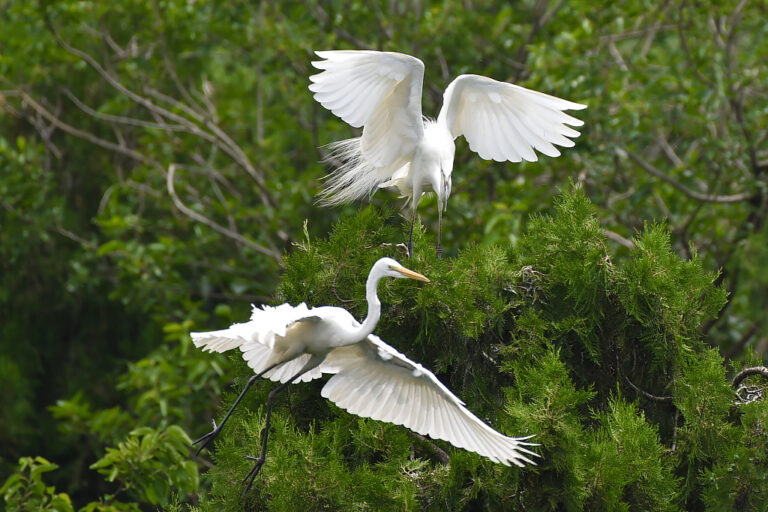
(25, 489)
(158, 160)
(151, 463)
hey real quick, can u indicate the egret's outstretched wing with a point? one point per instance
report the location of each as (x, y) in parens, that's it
(257, 339)
(502, 121)
(374, 380)
(380, 91)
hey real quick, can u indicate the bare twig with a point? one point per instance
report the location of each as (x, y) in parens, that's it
(122, 119)
(612, 235)
(224, 141)
(211, 223)
(660, 399)
(169, 67)
(227, 145)
(707, 198)
(746, 394)
(83, 134)
(687, 51)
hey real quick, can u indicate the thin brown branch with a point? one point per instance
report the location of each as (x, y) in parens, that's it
(211, 223)
(669, 151)
(634, 34)
(113, 80)
(653, 32)
(543, 16)
(74, 236)
(83, 134)
(612, 235)
(660, 399)
(123, 119)
(707, 198)
(228, 145)
(169, 67)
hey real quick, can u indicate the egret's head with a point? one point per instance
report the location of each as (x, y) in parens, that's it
(391, 268)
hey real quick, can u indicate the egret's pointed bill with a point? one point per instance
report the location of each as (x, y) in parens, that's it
(411, 274)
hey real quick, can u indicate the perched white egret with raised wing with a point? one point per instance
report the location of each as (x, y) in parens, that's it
(381, 92)
(298, 344)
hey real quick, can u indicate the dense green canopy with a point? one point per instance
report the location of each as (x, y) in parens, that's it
(158, 168)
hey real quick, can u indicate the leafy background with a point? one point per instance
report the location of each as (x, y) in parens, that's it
(159, 162)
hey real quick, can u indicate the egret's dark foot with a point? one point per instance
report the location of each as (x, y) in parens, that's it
(410, 249)
(207, 438)
(251, 476)
(439, 252)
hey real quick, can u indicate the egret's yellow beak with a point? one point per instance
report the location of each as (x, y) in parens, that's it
(411, 274)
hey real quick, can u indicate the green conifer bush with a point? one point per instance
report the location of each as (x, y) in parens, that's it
(599, 357)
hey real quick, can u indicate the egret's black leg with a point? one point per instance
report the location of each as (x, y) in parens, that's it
(410, 236)
(210, 436)
(259, 461)
(439, 230)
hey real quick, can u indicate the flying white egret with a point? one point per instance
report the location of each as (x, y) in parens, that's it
(381, 92)
(370, 378)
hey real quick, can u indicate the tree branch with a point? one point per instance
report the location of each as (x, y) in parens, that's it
(226, 143)
(660, 399)
(707, 198)
(118, 148)
(123, 119)
(612, 235)
(211, 223)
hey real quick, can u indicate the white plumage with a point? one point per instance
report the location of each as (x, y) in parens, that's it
(374, 380)
(381, 92)
(370, 378)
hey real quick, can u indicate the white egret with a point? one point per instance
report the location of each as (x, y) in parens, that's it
(381, 92)
(370, 378)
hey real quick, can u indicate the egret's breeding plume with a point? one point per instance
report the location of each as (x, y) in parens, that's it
(297, 344)
(381, 92)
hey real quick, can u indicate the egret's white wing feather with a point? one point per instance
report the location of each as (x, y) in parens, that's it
(502, 121)
(374, 380)
(381, 92)
(257, 340)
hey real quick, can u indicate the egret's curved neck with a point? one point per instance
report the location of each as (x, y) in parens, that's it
(374, 306)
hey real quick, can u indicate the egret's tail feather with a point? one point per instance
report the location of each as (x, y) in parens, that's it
(354, 177)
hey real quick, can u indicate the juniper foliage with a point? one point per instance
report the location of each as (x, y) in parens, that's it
(601, 359)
